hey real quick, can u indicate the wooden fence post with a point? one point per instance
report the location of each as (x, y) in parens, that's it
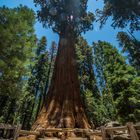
(16, 133)
(132, 131)
(103, 131)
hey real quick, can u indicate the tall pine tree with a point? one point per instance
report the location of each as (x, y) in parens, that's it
(121, 80)
(17, 42)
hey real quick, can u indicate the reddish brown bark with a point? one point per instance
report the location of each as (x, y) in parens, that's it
(63, 107)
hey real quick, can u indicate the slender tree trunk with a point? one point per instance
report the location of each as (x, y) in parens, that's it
(63, 106)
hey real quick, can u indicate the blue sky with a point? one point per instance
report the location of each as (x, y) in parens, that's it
(107, 33)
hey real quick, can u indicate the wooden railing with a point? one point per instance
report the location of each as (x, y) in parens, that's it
(9, 132)
(130, 128)
(105, 133)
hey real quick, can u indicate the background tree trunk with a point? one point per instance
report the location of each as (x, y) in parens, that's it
(63, 106)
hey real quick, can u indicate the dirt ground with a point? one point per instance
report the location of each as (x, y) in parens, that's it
(31, 137)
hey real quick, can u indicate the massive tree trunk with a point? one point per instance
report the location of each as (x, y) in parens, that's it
(63, 106)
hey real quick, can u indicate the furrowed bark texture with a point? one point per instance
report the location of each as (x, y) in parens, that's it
(63, 107)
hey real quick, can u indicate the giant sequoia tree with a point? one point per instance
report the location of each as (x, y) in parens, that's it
(63, 106)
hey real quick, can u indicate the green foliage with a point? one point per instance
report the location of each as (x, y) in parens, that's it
(131, 46)
(88, 85)
(17, 43)
(96, 109)
(118, 79)
(130, 98)
(16, 40)
(25, 65)
(123, 12)
(36, 83)
(85, 67)
(58, 14)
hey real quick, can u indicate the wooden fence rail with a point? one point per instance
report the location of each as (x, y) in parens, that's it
(133, 131)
